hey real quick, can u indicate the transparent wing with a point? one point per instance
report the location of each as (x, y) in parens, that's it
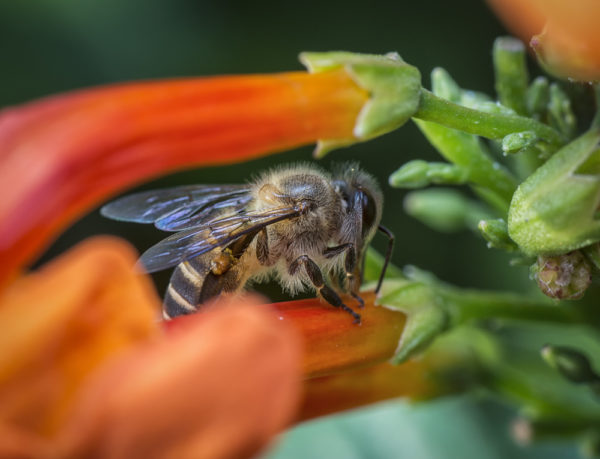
(217, 233)
(179, 208)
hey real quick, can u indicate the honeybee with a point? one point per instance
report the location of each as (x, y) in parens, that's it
(305, 227)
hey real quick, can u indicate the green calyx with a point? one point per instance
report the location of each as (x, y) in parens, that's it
(394, 87)
(426, 317)
(556, 209)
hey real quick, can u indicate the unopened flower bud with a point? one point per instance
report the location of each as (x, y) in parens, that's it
(564, 277)
(419, 173)
(514, 143)
(553, 210)
(560, 112)
(496, 233)
(443, 85)
(444, 209)
(537, 97)
(511, 73)
(571, 363)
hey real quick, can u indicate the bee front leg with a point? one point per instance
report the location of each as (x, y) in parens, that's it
(316, 277)
(349, 266)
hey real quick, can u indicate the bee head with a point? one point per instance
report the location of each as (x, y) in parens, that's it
(361, 200)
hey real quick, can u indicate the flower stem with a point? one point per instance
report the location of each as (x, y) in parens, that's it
(489, 125)
(467, 305)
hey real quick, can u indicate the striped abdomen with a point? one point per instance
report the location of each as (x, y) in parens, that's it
(193, 283)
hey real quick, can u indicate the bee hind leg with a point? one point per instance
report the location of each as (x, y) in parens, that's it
(316, 277)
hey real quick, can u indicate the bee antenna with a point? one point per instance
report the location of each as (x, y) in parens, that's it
(388, 254)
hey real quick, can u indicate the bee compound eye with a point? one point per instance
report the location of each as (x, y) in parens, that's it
(369, 212)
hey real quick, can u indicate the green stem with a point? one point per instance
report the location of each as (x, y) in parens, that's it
(468, 305)
(489, 125)
(492, 182)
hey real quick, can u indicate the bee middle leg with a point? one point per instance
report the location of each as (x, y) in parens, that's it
(349, 266)
(316, 277)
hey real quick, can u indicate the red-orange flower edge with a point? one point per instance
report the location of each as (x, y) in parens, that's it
(63, 155)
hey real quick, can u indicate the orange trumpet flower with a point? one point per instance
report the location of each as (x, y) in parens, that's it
(62, 155)
(563, 34)
(87, 369)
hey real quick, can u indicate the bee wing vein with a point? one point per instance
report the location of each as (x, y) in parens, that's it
(217, 233)
(172, 208)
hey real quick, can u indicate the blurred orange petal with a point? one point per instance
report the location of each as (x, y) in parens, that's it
(61, 323)
(221, 386)
(62, 155)
(87, 371)
(566, 36)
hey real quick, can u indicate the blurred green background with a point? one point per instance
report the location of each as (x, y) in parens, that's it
(60, 45)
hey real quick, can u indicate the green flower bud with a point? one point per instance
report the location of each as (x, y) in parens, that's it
(443, 85)
(513, 143)
(418, 174)
(571, 363)
(564, 277)
(538, 97)
(496, 233)
(560, 112)
(511, 73)
(444, 209)
(554, 210)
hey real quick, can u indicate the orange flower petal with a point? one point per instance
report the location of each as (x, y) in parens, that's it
(221, 385)
(61, 323)
(352, 389)
(334, 343)
(62, 155)
(568, 43)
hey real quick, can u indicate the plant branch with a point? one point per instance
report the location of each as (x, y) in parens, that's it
(475, 304)
(489, 125)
